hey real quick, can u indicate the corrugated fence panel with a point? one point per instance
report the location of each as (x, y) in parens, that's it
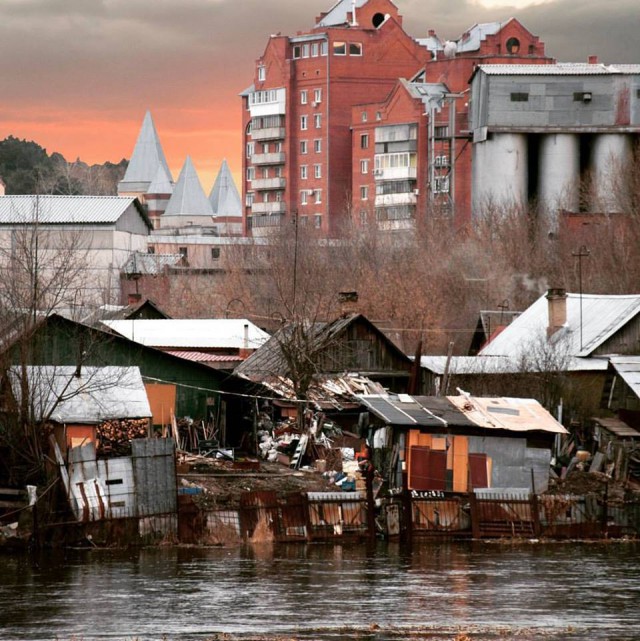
(155, 475)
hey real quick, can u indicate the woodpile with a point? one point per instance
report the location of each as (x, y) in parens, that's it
(115, 435)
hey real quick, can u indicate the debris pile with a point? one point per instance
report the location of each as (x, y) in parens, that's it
(114, 436)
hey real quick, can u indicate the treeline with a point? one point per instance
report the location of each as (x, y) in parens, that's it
(27, 168)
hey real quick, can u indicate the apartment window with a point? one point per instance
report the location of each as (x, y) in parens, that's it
(364, 141)
(314, 50)
(303, 146)
(151, 249)
(278, 196)
(277, 147)
(303, 97)
(251, 173)
(441, 131)
(262, 73)
(265, 147)
(249, 199)
(519, 96)
(364, 192)
(305, 51)
(303, 122)
(265, 172)
(317, 95)
(318, 194)
(318, 121)
(317, 221)
(317, 145)
(250, 149)
(303, 172)
(324, 48)
(278, 171)
(378, 115)
(303, 197)
(355, 49)
(265, 197)
(364, 117)
(364, 166)
(339, 48)
(297, 51)
(215, 253)
(317, 171)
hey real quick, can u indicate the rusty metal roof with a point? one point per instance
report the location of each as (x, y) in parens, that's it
(204, 357)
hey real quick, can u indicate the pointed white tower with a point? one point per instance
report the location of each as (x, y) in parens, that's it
(146, 158)
(226, 203)
(158, 195)
(188, 204)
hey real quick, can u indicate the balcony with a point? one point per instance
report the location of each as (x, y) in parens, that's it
(262, 225)
(276, 158)
(396, 173)
(262, 184)
(270, 133)
(407, 198)
(268, 208)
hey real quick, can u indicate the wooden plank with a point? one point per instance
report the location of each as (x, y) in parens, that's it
(460, 463)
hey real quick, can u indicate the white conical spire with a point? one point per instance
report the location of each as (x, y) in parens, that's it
(162, 183)
(188, 196)
(147, 156)
(224, 196)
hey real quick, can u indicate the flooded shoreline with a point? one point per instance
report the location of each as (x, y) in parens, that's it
(325, 592)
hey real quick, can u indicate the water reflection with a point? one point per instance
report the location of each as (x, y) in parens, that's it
(194, 593)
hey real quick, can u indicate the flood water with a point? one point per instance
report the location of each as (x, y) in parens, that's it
(532, 591)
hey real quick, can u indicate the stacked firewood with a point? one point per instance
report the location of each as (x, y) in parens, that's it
(114, 436)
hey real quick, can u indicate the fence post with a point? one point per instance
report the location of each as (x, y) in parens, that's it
(475, 515)
(535, 513)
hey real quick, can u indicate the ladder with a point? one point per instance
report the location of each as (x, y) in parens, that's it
(301, 448)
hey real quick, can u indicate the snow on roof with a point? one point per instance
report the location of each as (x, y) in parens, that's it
(188, 198)
(203, 333)
(470, 40)
(54, 210)
(143, 263)
(628, 368)
(602, 315)
(559, 69)
(98, 394)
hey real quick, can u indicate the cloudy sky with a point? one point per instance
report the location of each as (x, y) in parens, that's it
(77, 76)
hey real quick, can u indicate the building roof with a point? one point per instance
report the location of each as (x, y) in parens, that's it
(205, 357)
(98, 394)
(617, 427)
(559, 69)
(66, 210)
(181, 333)
(162, 183)
(269, 360)
(146, 157)
(188, 197)
(471, 39)
(143, 263)
(628, 368)
(510, 414)
(602, 316)
(224, 197)
(430, 93)
(337, 15)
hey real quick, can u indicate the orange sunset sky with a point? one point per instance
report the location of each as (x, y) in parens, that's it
(77, 76)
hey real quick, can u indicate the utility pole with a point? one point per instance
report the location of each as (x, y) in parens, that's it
(583, 252)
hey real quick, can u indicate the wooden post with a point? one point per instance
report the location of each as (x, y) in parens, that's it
(407, 510)
(371, 505)
(475, 516)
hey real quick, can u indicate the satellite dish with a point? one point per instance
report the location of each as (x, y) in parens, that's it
(450, 49)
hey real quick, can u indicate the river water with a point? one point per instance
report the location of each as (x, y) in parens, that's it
(322, 592)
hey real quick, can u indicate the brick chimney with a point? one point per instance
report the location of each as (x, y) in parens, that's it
(593, 60)
(557, 305)
(348, 303)
(244, 351)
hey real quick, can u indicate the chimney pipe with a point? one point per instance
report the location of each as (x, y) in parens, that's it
(244, 351)
(557, 306)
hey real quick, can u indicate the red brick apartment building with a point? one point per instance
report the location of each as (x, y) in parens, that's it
(356, 121)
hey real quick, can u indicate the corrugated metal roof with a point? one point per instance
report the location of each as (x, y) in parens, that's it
(142, 263)
(401, 410)
(559, 69)
(602, 316)
(98, 394)
(204, 357)
(62, 210)
(628, 368)
(512, 414)
(188, 197)
(618, 427)
(468, 365)
(337, 15)
(204, 333)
